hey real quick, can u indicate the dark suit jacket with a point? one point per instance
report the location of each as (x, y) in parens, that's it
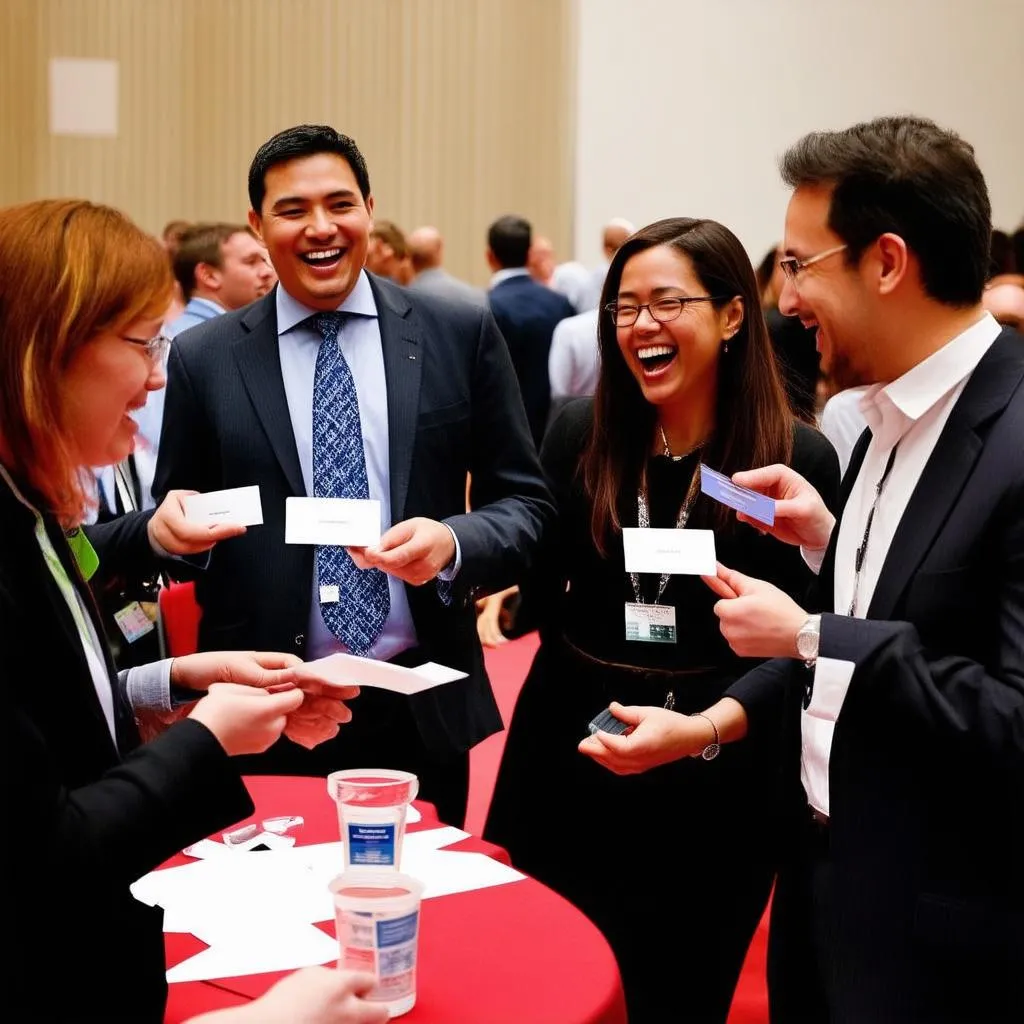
(453, 408)
(87, 818)
(926, 779)
(527, 314)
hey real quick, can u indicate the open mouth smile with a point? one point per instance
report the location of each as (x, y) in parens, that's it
(322, 259)
(656, 359)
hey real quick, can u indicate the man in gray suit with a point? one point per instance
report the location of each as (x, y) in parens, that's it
(426, 247)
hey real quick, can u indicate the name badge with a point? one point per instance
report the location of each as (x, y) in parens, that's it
(651, 623)
(133, 622)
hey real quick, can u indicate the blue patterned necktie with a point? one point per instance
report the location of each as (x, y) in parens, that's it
(339, 471)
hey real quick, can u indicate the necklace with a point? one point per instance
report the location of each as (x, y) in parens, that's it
(668, 451)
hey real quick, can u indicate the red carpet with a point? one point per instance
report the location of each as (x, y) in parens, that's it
(507, 667)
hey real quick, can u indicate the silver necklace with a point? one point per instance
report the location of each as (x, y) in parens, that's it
(668, 451)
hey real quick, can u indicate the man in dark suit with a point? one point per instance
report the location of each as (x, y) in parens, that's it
(900, 897)
(395, 399)
(527, 314)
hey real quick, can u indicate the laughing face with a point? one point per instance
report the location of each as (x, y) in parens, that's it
(677, 360)
(828, 295)
(316, 226)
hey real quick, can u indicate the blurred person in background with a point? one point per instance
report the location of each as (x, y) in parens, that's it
(570, 279)
(526, 313)
(426, 251)
(794, 345)
(388, 252)
(170, 235)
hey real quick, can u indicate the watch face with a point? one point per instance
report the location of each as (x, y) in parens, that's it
(710, 752)
(806, 645)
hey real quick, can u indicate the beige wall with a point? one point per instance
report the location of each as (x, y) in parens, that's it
(463, 108)
(684, 107)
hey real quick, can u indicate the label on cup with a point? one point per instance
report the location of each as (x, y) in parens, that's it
(385, 947)
(371, 845)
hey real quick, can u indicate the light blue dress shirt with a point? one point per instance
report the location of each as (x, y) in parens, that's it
(298, 344)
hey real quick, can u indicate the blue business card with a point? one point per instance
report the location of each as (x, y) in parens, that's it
(718, 486)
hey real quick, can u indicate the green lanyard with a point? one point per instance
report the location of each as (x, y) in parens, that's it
(57, 570)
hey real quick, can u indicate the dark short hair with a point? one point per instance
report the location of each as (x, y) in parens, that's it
(201, 243)
(304, 140)
(908, 176)
(509, 239)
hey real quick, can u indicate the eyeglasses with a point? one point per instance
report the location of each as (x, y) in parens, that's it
(791, 266)
(663, 310)
(156, 348)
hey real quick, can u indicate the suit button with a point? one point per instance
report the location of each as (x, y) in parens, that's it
(300, 640)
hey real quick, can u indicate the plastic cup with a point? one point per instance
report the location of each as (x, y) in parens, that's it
(377, 914)
(372, 805)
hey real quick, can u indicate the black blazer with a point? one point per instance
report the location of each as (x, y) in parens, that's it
(926, 779)
(453, 409)
(87, 818)
(527, 314)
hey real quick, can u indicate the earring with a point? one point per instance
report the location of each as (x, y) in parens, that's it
(725, 347)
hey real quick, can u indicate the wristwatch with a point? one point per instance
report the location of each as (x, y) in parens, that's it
(808, 638)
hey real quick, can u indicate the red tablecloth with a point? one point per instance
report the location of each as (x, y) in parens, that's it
(504, 955)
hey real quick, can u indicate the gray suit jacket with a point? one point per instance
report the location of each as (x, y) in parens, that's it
(439, 282)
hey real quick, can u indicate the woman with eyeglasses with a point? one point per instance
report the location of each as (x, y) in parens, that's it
(89, 808)
(687, 377)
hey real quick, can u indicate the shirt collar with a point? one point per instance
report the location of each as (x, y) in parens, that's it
(291, 312)
(504, 275)
(891, 409)
(206, 308)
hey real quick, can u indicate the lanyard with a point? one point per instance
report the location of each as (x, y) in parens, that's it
(858, 561)
(644, 522)
(56, 567)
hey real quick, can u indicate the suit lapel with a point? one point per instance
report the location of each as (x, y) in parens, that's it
(259, 362)
(987, 392)
(402, 343)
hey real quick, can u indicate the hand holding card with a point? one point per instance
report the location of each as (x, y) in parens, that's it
(752, 504)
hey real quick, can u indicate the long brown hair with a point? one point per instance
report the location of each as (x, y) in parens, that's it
(753, 422)
(69, 270)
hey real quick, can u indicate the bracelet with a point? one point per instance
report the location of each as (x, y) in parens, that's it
(711, 751)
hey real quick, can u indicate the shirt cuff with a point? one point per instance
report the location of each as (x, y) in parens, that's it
(814, 557)
(148, 687)
(451, 570)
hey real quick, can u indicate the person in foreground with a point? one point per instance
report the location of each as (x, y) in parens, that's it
(900, 897)
(82, 291)
(687, 376)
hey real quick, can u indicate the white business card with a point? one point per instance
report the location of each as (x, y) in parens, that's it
(347, 522)
(679, 552)
(349, 670)
(239, 506)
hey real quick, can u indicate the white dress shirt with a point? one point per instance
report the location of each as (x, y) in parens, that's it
(842, 423)
(912, 412)
(574, 358)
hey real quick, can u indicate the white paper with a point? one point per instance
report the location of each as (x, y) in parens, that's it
(257, 910)
(256, 950)
(679, 552)
(347, 522)
(348, 670)
(240, 506)
(83, 97)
